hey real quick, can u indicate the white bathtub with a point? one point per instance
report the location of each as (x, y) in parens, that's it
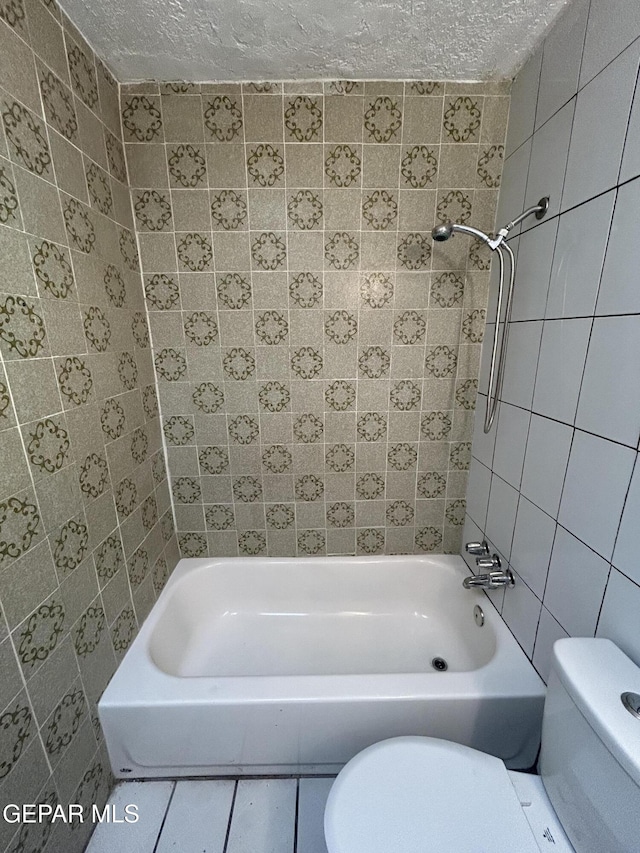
(281, 666)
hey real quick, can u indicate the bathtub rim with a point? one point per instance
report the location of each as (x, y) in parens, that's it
(509, 665)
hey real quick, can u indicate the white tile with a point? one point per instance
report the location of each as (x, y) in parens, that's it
(311, 802)
(577, 578)
(524, 96)
(578, 258)
(619, 291)
(521, 612)
(522, 360)
(511, 440)
(562, 356)
(597, 479)
(483, 442)
(152, 799)
(532, 543)
(548, 632)
(545, 462)
(561, 60)
(613, 24)
(609, 402)
(631, 154)
(197, 818)
(478, 492)
(533, 270)
(513, 185)
(619, 618)
(263, 817)
(549, 159)
(597, 138)
(625, 555)
(501, 515)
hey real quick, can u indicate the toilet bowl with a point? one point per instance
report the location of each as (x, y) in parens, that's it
(418, 794)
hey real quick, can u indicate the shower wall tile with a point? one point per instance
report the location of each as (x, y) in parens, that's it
(316, 356)
(82, 472)
(573, 349)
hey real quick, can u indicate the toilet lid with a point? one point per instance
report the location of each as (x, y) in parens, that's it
(419, 794)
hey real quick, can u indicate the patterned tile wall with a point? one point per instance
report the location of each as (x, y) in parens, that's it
(86, 530)
(316, 356)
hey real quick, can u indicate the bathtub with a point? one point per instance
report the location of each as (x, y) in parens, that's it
(292, 666)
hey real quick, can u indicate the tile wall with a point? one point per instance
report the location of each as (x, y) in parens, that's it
(86, 531)
(316, 356)
(556, 488)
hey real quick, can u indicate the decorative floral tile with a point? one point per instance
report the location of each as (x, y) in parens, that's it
(274, 397)
(40, 634)
(265, 165)
(340, 395)
(342, 166)
(214, 460)
(22, 329)
(48, 446)
(462, 119)
(303, 119)
(383, 120)
(53, 269)
(57, 101)
(208, 398)
(187, 166)
(305, 290)
(27, 139)
(436, 426)
(376, 289)
(141, 119)
(402, 456)
(419, 167)
(223, 118)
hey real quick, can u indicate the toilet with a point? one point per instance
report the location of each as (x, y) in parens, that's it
(427, 795)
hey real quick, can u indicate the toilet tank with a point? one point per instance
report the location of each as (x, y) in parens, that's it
(590, 756)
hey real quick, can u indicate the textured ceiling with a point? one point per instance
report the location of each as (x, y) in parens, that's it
(350, 39)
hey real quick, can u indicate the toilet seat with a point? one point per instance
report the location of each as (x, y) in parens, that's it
(420, 794)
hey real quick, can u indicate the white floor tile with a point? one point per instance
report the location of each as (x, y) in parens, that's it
(152, 799)
(312, 800)
(197, 818)
(263, 817)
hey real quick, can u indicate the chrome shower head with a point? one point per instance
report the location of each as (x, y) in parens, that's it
(445, 230)
(442, 232)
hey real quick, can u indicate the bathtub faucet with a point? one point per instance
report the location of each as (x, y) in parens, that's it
(492, 579)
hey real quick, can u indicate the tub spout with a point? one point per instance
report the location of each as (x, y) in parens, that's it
(490, 580)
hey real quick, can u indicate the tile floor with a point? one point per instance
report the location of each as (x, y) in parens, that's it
(217, 816)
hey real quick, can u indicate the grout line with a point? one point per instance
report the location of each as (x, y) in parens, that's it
(296, 816)
(164, 818)
(233, 803)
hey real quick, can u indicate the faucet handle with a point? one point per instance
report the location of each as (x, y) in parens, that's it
(492, 562)
(479, 548)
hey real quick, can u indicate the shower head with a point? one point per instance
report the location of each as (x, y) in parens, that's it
(445, 230)
(442, 232)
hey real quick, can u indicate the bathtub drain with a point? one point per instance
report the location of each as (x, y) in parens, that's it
(440, 664)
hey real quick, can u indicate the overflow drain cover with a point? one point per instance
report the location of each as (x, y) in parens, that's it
(631, 702)
(440, 664)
